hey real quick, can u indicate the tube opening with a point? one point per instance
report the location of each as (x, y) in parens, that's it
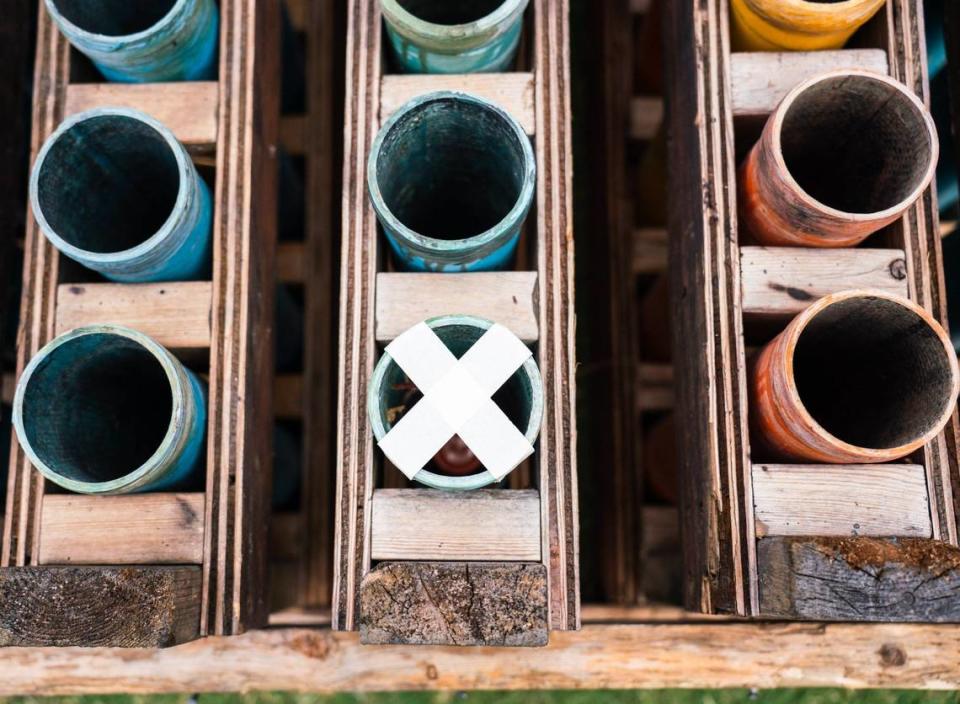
(450, 12)
(872, 372)
(856, 144)
(451, 169)
(113, 18)
(398, 395)
(108, 183)
(97, 407)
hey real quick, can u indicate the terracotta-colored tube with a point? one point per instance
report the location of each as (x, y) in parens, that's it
(844, 154)
(797, 25)
(858, 377)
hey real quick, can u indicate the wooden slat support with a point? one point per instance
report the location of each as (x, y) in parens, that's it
(505, 297)
(781, 281)
(175, 314)
(290, 262)
(841, 500)
(511, 91)
(288, 396)
(646, 115)
(423, 524)
(8, 387)
(188, 108)
(129, 607)
(122, 530)
(293, 130)
(856, 579)
(655, 387)
(650, 247)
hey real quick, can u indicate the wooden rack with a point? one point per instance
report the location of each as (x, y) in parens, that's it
(753, 547)
(377, 303)
(200, 566)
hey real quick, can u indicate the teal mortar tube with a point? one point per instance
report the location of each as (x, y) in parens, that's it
(114, 190)
(440, 36)
(451, 177)
(143, 41)
(104, 409)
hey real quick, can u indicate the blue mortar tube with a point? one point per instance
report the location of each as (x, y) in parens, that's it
(114, 190)
(451, 177)
(143, 41)
(520, 398)
(440, 36)
(933, 19)
(104, 409)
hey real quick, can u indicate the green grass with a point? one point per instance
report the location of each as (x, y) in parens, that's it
(733, 696)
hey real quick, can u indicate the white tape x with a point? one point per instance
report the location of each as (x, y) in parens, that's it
(457, 400)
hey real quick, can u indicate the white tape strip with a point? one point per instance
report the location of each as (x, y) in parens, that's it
(457, 400)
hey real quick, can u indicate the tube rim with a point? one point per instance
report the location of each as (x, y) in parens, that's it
(432, 245)
(442, 481)
(451, 38)
(785, 353)
(891, 213)
(69, 27)
(185, 189)
(177, 431)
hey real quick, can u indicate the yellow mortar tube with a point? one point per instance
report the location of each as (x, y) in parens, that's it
(797, 25)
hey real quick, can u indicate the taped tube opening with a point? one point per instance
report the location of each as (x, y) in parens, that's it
(97, 407)
(450, 13)
(108, 183)
(114, 18)
(450, 169)
(873, 373)
(856, 144)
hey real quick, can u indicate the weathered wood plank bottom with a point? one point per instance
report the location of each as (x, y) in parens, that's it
(859, 579)
(126, 607)
(454, 603)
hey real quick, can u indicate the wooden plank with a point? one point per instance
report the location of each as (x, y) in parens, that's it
(730, 654)
(646, 116)
(288, 396)
(239, 451)
(650, 246)
(175, 314)
(299, 13)
(286, 538)
(782, 281)
(841, 500)
(423, 524)
(654, 392)
(290, 262)
(556, 353)
(854, 579)
(8, 388)
(760, 80)
(293, 133)
(129, 607)
(188, 108)
(708, 345)
(511, 91)
(454, 603)
(639, 7)
(505, 297)
(122, 530)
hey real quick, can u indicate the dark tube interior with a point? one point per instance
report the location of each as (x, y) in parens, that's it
(114, 18)
(872, 373)
(108, 183)
(855, 144)
(451, 169)
(513, 397)
(97, 408)
(450, 11)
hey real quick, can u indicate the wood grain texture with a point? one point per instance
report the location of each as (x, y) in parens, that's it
(423, 524)
(859, 579)
(716, 498)
(187, 108)
(511, 91)
(556, 352)
(841, 500)
(505, 297)
(127, 607)
(239, 451)
(175, 314)
(454, 603)
(358, 261)
(782, 281)
(146, 529)
(38, 293)
(650, 246)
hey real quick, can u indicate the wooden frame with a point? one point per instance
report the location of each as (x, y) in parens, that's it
(232, 125)
(371, 309)
(717, 286)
